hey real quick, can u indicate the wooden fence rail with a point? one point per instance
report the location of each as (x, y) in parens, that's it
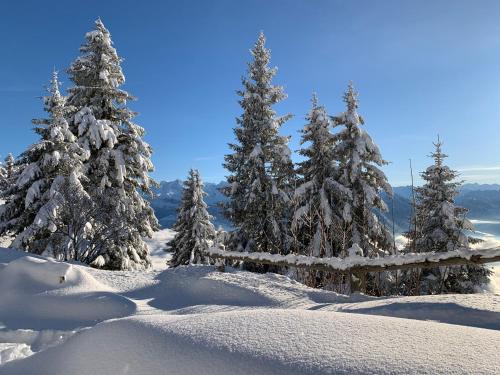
(360, 266)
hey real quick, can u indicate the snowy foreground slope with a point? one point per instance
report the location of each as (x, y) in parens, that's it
(194, 320)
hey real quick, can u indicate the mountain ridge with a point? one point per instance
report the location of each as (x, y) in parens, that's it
(482, 200)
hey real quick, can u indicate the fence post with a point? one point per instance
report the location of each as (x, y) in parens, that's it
(358, 281)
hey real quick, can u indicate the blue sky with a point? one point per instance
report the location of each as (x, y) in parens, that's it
(422, 68)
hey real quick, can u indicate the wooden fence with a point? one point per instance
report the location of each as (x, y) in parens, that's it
(360, 266)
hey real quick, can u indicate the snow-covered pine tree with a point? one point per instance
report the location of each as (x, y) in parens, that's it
(9, 165)
(6, 172)
(193, 226)
(442, 226)
(317, 221)
(261, 176)
(48, 163)
(119, 161)
(3, 178)
(359, 161)
(12, 197)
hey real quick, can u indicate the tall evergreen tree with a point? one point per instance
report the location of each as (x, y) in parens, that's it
(359, 161)
(12, 197)
(48, 163)
(6, 172)
(317, 222)
(9, 165)
(119, 161)
(261, 171)
(193, 226)
(442, 226)
(3, 178)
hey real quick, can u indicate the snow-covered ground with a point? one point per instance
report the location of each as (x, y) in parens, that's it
(58, 318)
(157, 246)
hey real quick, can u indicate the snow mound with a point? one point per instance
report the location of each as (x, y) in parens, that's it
(40, 293)
(187, 288)
(269, 342)
(201, 289)
(41, 274)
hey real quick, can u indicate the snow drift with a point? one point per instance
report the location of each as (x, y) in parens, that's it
(60, 318)
(39, 293)
(269, 342)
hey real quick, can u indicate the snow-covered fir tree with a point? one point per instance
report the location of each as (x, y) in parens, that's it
(359, 162)
(6, 172)
(48, 163)
(194, 228)
(442, 226)
(119, 163)
(12, 197)
(317, 221)
(9, 165)
(261, 171)
(3, 178)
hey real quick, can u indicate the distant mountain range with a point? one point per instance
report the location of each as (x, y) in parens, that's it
(168, 196)
(483, 202)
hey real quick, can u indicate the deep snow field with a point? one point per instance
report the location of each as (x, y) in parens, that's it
(58, 318)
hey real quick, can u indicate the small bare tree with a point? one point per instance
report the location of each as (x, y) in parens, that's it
(83, 227)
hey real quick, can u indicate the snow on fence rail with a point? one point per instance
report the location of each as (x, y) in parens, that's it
(359, 264)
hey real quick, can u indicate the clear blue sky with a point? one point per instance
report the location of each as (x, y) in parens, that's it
(421, 67)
